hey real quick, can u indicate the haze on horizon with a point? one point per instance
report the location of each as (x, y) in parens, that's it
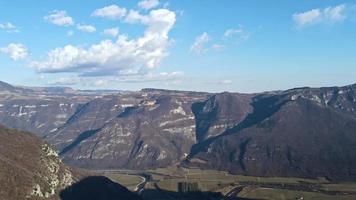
(243, 46)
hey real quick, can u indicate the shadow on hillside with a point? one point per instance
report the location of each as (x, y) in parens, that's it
(97, 188)
(102, 188)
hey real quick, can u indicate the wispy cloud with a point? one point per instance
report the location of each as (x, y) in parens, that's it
(16, 51)
(113, 32)
(112, 12)
(199, 45)
(9, 27)
(148, 4)
(316, 16)
(86, 28)
(202, 43)
(239, 32)
(60, 18)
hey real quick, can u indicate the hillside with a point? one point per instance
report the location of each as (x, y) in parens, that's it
(29, 168)
(304, 132)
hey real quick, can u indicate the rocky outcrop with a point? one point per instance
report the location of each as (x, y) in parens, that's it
(29, 168)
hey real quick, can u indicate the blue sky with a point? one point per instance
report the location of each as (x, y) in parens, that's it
(226, 45)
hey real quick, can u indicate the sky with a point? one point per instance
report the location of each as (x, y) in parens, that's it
(226, 45)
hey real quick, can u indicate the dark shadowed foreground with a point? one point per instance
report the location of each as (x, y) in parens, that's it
(97, 188)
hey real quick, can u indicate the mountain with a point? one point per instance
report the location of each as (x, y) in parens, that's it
(301, 132)
(7, 88)
(304, 132)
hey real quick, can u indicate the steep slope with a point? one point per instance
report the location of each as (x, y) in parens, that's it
(301, 132)
(29, 168)
(156, 131)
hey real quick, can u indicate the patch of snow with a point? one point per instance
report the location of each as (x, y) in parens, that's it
(30, 106)
(40, 126)
(61, 116)
(162, 155)
(53, 130)
(126, 105)
(316, 98)
(294, 97)
(20, 111)
(178, 110)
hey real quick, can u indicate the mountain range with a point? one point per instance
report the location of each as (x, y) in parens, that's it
(301, 132)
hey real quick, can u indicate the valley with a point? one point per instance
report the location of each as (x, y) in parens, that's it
(164, 182)
(166, 144)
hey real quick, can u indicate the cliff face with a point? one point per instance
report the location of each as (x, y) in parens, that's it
(156, 131)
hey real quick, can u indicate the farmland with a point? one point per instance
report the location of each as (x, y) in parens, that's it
(229, 185)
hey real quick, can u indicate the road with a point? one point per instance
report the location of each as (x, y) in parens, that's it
(141, 186)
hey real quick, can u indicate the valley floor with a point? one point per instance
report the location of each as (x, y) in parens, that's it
(163, 184)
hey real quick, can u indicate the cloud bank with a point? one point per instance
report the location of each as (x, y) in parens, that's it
(123, 56)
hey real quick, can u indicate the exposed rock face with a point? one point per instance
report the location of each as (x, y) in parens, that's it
(158, 130)
(29, 168)
(298, 132)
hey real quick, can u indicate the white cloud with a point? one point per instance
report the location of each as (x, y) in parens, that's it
(199, 45)
(113, 12)
(240, 32)
(316, 16)
(121, 57)
(307, 18)
(15, 51)
(335, 14)
(86, 28)
(60, 18)
(9, 27)
(148, 4)
(113, 32)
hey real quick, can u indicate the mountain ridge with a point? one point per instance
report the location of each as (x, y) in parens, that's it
(158, 128)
